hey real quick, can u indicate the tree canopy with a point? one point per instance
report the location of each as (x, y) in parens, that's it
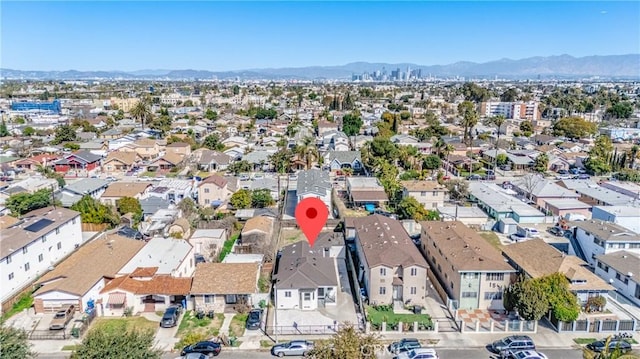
(130, 205)
(22, 203)
(598, 161)
(213, 142)
(348, 343)
(14, 343)
(261, 198)
(351, 123)
(92, 211)
(535, 297)
(117, 343)
(64, 133)
(241, 199)
(574, 127)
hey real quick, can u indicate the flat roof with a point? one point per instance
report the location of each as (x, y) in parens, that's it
(567, 203)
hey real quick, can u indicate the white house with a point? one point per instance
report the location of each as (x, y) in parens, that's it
(596, 237)
(33, 245)
(72, 193)
(172, 257)
(79, 278)
(314, 183)
(622, 270)
(208, 242)
(173, 190)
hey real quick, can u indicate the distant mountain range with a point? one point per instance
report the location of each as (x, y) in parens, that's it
(561, 67)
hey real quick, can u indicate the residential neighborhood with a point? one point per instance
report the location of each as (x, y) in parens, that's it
(460, 211)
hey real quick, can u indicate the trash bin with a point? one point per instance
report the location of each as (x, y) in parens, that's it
(417, 309)
(75, 332)
(232, 341)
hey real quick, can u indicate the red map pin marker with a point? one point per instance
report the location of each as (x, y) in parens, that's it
(311, 214)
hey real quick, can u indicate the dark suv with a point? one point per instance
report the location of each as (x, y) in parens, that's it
(404, 345)
(170, 317)
(512, 343)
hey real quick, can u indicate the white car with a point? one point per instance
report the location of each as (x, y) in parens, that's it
(419, 353)
(525, 354)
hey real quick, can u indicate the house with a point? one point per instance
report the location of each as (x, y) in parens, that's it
(118, 162)
(539, 189)
(213, 191)
(171, 257)
(158, 224)
(256, 234)
(562, 206)
(210, 161)
(117, 190)
(337, 160)
(430, 194)
(473, 217)
(80, 277)
(173, 190)
(212, 290)
(390, 266)
(79, 161)
(270, 184)
(146, 148)
(180, 228)
(366, 192)
(621, 269)
(535, 258)
(467, 268)
(499, 204)
(596, 237)
(34, 162)
(626, 188)
(143, 291)
(626, 216)
(596, 195)
(32, 244)
(181, 149)
(306, 277)
(151, 205)
(235, 141)
(166, 162)
(208, 242)
(314, 183)
(72, 193)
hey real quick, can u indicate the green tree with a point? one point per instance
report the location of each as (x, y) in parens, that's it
(142, 111)
(502, 159)
(117, 343)
(410, 208)
(14, 343)
(22, 203)
(130, 205)
(574, 128)
(28, 131)
(509, 95)
(211, 115)
(532, 300)
(71, 146)
(92, 211)
(3, 129)
(281, 160)
(241, 199)
(213, 142)
(467, 110)
(239, 167)
(431, 162)
(474, 93)
(458, 189)
(64, 133)
(307, 151)
(598, 161)
(526, 127)
(162, 123)
(261, 198)
(562, 302)
(541, 163)
(622, 109)
(348, 343)
(351, 123)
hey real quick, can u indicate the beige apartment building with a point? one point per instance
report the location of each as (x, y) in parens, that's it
(430, 193)
(213, 191)
(391, 267)
(471, 271)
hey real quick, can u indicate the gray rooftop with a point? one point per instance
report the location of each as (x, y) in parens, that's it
(606, 196)
(495, 197)
(607, 231)
(541, 187)
(300, 266)
(343, 156)
(313, 181)
(622, 261)
(86, 186)
(165, 253)
(621, 211)
(567, 203)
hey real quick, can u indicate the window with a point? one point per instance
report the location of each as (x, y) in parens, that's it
(73, 221)
(307, 296)
(492, 295)
(59, 245)
(435, 193)
(469, 294)
(622, 278)
(422, 194)
(495, 276)
(44, 239)
(206, 190)
(8, 259)
(383, 271)
(24, 250)
(383, 290)
(40, 257)
(320, 292)
(57, 230)
(287, 294)
(634, 245)
(603, 266)
(11, 276)
(27, 266)
(414, 290)
(414, 271)
(208, 298)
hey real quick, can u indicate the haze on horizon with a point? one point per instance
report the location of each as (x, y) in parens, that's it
(225, 36)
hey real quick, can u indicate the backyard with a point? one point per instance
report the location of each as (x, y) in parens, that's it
(384, 313)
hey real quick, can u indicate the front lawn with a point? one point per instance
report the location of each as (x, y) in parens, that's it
(124, 324)
(207, 326)
(25, 301)
(236, 329)
(379, 314)
(582, 341)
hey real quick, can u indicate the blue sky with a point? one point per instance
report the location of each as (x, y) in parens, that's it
(210, 35)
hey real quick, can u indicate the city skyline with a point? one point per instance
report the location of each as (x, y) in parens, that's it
(223, 36)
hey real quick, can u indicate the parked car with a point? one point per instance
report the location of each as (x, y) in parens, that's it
(523, 354)
(62, 317)
(505, 168)
(404, 345)
(254, 319)
(584, 176)
(419, 353)
(170, 317)
(292, 348)
(563, 177)
(556, 231)
(517, 237)
(474, 177)
(598, 346)
(514, 343)
(206, 347)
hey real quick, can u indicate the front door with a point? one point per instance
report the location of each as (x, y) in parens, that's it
(397, 292)
(306, 299)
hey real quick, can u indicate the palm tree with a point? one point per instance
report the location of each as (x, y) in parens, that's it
(141, 111)
(498, 121)
(307, 151)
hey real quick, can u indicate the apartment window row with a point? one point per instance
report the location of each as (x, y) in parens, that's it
(470, 275)
(495, 276)
(469, 295)
(622, 278)
(603, 266)
(616, 245)
(492, 295)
